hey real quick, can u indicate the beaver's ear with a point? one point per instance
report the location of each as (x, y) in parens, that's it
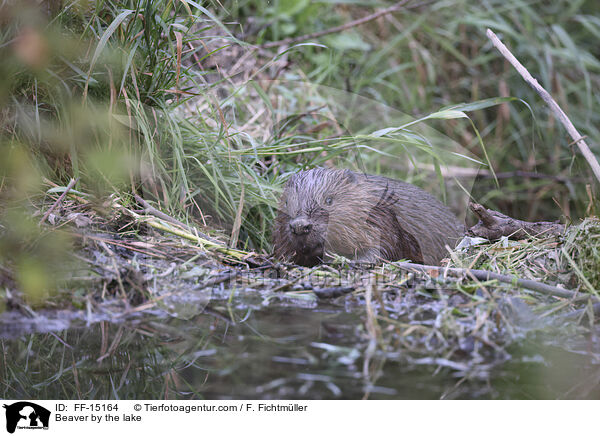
(350, 176)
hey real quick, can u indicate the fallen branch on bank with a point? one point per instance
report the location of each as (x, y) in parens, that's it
(532, 285)
(190, 234)
(494, 225)
(150, 210)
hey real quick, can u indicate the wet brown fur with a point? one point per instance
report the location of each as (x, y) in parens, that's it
(368, 218)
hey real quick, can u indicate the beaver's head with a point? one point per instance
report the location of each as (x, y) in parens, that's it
(321, 210)
(338, 211)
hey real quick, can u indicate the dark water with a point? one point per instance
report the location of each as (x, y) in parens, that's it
(277, 351)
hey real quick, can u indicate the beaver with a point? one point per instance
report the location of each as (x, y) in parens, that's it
(363, 217)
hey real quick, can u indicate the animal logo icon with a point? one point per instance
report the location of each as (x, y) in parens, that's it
(26, 415)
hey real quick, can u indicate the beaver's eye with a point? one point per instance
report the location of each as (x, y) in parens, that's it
(328, 200)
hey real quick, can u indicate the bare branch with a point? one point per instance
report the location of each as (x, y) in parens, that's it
(373, 16)
(532, 285)
(494, 225)
(554, 107)
(59, 200)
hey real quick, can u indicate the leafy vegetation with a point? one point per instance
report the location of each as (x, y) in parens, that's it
(168, 98)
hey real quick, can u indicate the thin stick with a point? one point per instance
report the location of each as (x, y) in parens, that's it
(479, 274)
(60, 199)
(157, 213)
(337, 29)
(554, 107)
(157, 223)
(238, 254)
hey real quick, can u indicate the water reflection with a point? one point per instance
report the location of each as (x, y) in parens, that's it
(275, 353)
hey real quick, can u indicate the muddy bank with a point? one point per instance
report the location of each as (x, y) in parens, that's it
(149, 314)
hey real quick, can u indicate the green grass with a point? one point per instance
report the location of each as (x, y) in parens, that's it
(165, 98)
(420, 60)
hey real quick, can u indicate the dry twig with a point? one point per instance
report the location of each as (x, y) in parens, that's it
(60, 199)
(373, 16)
(554, 107)
(542, 288)
(150, 210)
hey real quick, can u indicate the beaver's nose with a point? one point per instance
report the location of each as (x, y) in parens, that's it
(300, 226)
